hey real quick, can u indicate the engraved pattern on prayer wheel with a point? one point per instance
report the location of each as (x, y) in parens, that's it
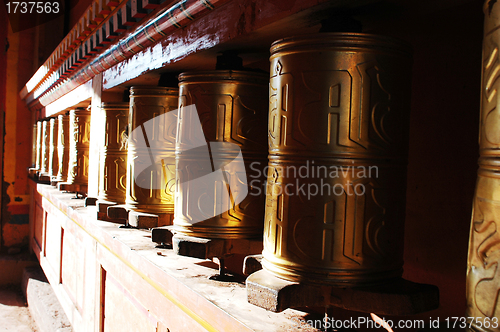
(79, 139)
(151, 190)
(483, 272)
(53, 154)
(232, 108)
(34, 137)
(338, 140)
(113, 153)
(38, 163)
(44, 167)
(63, 147)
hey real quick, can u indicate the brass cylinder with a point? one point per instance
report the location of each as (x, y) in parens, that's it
(483, 274)
(38, 162)
(151, 190)
(79, 139)
(53, 155)
(338, 140)
(44, 167)
(232, 108)
(33, 146)
(63, 147)
(113, 153)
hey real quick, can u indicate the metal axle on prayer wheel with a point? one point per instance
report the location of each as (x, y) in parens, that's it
(63, 147)
(113, 157)
(483, 274)
(149, 198)
(53, 153)
(78, 164)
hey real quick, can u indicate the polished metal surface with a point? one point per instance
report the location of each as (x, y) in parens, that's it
(113, 153)
(63, 147)
(33, 145)
(152, 190)
(483, 273)
(338, 139)
(232, 108)
(45, 144)
(53, 154)
(79, 138)
(38, 147)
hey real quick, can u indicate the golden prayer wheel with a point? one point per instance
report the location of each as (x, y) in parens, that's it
(151, 150)
(34, 136)
(338, 137)
(483, 274)
(44, 161)
(53, 155)
(38, 162)
(63, 147)
(215, 196)
(113, 153)
(79, 138)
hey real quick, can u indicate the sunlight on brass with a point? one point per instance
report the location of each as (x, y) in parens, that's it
(45, 141)
(483, 272)
(113, 153)
(53, 154)
(33, 145)
(232, 107)
(146, 103)
(63, 147)
(79, 129)
(338, 104)
(38, 161)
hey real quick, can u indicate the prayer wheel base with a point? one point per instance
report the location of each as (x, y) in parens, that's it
(137, 219)
(117, 212)
(397, 297)
(208, 248)
(54, 182)
(73, 188)
(147, 220)
(162, 236)
(90, 201)
(102, 211)
(44, 178)
(33, 173)
(251, 264)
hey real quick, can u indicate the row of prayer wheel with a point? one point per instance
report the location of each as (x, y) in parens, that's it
(329, 131)
(52, 146)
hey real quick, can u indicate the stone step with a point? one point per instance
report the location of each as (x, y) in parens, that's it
(44, 307)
